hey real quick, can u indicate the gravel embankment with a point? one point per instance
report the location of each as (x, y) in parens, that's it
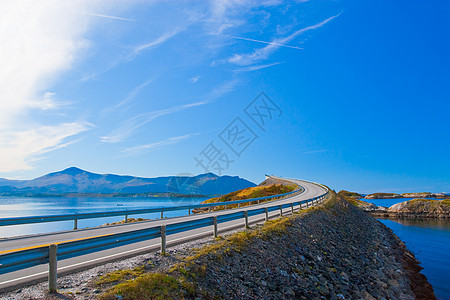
(82, 285)
(333, 252)
(338, 252)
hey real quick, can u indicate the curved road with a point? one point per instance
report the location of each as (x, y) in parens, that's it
(40, 273)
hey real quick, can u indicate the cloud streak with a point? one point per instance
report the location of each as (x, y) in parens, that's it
(259, 41)
(258, 67)
(108, 17)
(134, 92)
(159, 144)
(160, 40)
(128, 127)
(265, 52)
(19, 148)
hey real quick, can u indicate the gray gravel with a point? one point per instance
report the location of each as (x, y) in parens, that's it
(82, 285)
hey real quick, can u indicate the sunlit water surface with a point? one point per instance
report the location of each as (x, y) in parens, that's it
(36, 206)
(429, 240)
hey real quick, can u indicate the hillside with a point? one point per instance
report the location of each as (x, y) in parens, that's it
(269, 187)
(76, 181)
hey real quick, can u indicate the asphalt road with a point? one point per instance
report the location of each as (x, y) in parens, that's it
(35, 274)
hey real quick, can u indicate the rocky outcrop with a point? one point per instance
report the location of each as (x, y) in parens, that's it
(417, 195)
(404, 195)
(383, 196)
(425, 195)
(412, 209)
(416, 209)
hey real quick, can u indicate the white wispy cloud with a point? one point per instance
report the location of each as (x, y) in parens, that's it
(265, 52)
(227, 14)
(20, 147)
(107, 16)
(39, 41)
(156, 42)
(129, 126)
(316, 151)
(194, 79)
(259, 41)
(133, 93)
(258, 67)
(158, 144)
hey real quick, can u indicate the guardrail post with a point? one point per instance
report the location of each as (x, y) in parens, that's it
(215, 226)
(52, 268)
(162, 213)
(75, 224)
(281, 211)
(225, 206)
(209, 210)
(126, 218)
(163, 239)
(246, 219)
(267, 214)
(189, 211)
(292, 207)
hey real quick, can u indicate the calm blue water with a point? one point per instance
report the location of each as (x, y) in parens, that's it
(429, 240)
(35, 206)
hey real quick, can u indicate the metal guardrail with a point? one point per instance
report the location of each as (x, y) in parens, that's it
(18, 260)
(126, 213)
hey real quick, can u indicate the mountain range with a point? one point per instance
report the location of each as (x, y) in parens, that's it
(77, 181)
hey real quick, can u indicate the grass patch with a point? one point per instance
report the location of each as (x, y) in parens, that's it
(151, 286)
(120, 276)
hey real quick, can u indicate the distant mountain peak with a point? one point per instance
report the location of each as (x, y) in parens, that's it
(76, 180)
(72, 171)
(210, 174)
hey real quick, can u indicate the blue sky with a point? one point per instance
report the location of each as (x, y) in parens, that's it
(358, 91)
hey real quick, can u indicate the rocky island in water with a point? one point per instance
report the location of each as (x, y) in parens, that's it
(415, 208)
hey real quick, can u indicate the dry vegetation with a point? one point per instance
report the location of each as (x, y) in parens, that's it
(249, 193)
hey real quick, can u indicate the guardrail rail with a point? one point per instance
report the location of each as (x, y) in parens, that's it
(50, 254)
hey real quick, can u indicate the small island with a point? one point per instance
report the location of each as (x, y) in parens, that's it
(415, 208)
(406, 195)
